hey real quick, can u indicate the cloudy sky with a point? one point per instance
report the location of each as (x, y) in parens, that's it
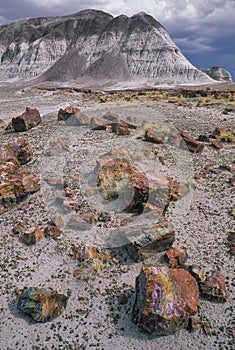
(203, 29)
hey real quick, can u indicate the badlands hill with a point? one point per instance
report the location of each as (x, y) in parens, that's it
(93, 45)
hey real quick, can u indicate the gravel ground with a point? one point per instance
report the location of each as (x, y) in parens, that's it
(93, 318)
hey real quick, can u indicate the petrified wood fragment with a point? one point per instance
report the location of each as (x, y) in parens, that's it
(41, 304)
(214, 288)
(73, 116)
(165, 299)
(28, 120)
(148, 240)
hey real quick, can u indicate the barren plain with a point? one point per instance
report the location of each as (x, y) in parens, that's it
(96, 317)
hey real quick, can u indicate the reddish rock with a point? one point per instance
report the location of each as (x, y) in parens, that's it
(177, 256)
(2, 124)
(161, 133)
(152, 136)
(57, 221)
(32, 236)
(7, 159)
(58, 183)
(214, 288)
(71, 204)
(6, 168)
(197, 176)
(140, 188)
(53, 231)
(21, 150)
(120, 128)
(25, 180)
(83, 253)
(232, 180)
(216, 144)
(193, 145)
(165, 299)
(165, 134)
(111, 171)
(147, 240)
(120, 152)
(73, 117)
(99, 124)
(41, 304)
(29, 119)
(16, 186)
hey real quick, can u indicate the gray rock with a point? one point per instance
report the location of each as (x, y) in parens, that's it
(217, 73)
(97, 47)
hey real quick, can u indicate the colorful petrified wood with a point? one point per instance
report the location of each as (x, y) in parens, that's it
(165, 299)
(214, 288)
(41, 304)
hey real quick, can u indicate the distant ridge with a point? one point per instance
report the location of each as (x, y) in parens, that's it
(217, 73)
(94, 46)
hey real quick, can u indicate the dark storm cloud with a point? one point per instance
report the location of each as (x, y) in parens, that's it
(203, 29)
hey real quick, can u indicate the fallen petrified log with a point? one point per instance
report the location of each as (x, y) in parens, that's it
(73, 116)
(140, 188)
(165, 299)
(193, 145)
(167, 134)
(28, 120)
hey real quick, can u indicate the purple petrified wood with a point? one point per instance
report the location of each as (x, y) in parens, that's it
(165, 299)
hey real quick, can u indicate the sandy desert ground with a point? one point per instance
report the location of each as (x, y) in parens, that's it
(94, 317)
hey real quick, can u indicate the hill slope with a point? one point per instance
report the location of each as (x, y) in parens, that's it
(94, 45)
